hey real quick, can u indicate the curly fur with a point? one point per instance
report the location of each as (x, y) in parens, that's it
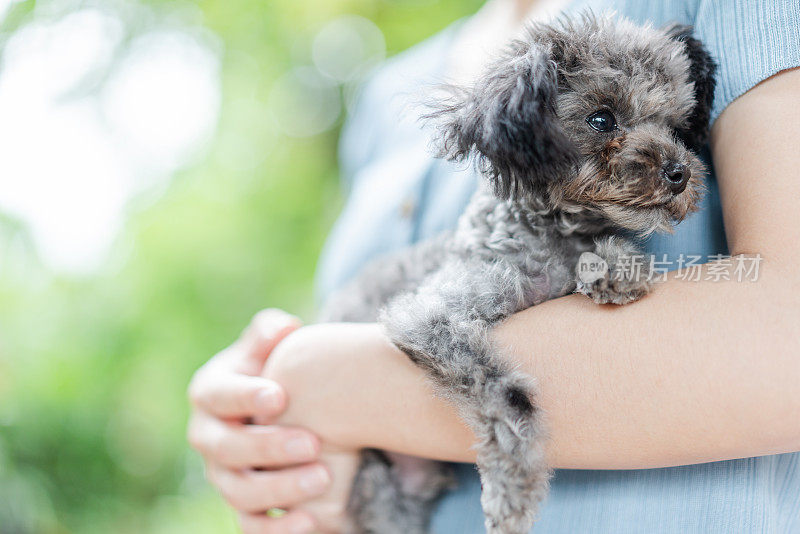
(556, 189)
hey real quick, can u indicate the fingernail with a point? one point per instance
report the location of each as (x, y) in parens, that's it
(315, 480)
(300, 449)
(301, 525)
(269, 399)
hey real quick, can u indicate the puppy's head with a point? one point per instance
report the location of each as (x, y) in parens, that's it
(595, 115)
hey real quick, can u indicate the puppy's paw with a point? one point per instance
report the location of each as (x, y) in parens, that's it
(622, 281)
(608, 290)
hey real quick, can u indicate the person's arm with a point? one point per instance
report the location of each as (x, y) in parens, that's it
(695, 372)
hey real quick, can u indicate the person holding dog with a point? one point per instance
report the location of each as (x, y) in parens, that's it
(675, 414)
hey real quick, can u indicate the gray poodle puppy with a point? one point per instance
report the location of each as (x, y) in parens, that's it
(587, 132)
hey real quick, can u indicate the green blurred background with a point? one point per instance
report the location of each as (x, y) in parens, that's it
(94, 363)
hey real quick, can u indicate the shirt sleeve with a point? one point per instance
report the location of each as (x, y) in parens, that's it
(750, 40)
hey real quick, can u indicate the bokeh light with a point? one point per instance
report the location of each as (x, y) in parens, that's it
(348, 47)
(81, 136)
(305, 103)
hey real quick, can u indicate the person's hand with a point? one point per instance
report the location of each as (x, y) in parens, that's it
(305, 363)
(255, 467)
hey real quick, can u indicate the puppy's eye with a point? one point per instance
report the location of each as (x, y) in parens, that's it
(602, 121)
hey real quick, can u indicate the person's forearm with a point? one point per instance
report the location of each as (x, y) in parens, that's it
(695, 372)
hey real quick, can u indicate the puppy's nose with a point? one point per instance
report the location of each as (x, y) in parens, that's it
(676, 175)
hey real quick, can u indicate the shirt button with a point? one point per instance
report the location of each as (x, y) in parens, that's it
(407, 208)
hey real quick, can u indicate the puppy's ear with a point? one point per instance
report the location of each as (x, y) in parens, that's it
(701, 72)
(508, 122)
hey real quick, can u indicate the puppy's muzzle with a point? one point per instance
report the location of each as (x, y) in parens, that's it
(676, 175)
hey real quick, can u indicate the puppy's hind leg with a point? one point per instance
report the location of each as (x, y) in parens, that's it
(383, 502)
(444, 327)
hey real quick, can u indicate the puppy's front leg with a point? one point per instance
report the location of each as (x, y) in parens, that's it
(445, 327)
(615, 273)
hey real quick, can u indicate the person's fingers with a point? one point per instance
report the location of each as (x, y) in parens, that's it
(258, 491)
(294, 522)
(227, 394)
(265, 331)
(238, 446)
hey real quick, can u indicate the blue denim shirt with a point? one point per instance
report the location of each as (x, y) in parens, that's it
(399, 194)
